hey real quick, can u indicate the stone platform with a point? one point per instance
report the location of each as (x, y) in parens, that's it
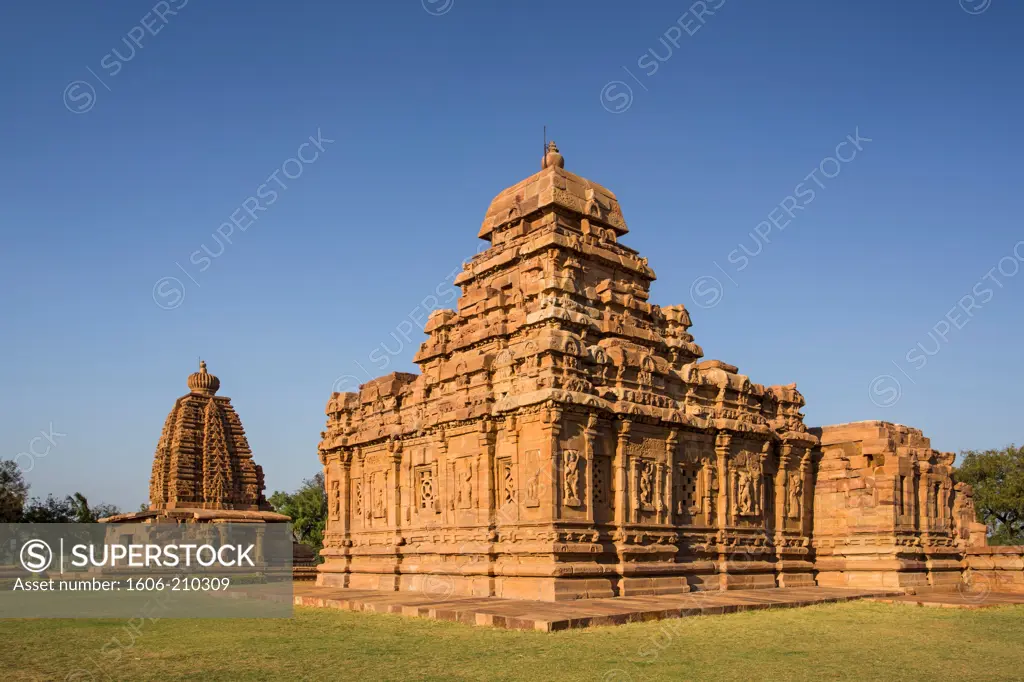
(956, 599)
(581, 613)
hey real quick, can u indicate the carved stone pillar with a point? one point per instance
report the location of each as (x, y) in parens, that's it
(765, 463)
(633, 494)
(619, 467)
(671, 448)
(723, 442)
(485, 465)
(707, 470)
(554, 419)
(494, 478)
(444, 494)
(923, 483)
(782, 489)
(589, 435)
(659, 488)
(911, 503)
(344, 523)
(394, 519)
(807, 494)
(357, 456)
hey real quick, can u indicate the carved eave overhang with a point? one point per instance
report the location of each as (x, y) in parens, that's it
(620, 256)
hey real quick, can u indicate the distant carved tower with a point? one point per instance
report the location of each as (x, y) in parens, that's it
(203, 460)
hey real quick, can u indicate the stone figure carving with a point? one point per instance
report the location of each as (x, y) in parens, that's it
(745, 493)
(795, 497)
(335, 500)
(646, 484)
(379, 501)
(466, 487)
(572, 478)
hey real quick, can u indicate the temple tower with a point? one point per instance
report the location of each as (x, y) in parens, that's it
(563, 438)
(203, 468)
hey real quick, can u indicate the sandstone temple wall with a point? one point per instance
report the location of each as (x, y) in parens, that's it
(994, 569)
(887, 510)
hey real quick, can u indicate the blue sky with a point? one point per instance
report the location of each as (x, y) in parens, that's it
(131, 139)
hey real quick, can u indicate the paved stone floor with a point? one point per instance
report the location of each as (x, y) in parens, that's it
(550, 616)
(955, 599)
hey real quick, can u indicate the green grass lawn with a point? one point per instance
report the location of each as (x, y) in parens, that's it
(858, 640)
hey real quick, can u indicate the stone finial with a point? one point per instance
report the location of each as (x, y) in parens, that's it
(552, 157)
(202, 381)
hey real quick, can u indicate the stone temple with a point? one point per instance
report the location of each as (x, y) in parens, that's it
(566, 439)
(203, 469)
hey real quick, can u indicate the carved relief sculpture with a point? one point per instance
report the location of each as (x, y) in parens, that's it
(646, 484)
(508, 483)
(466, 487)
(357, 501)
(745, 493)
(795, 494)
(571, 474)
(335, 500)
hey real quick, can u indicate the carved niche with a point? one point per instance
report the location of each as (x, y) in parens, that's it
(531, 497)
(794, 495)
(646, 484)
(357, 499)
(602, 469)
(571, 478)
(747, 482)
(689, 491)
(378, 482)
(506, 475)
(464, 485)
(335, 500)
(426, 491)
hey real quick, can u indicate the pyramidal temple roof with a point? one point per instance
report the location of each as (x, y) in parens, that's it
(203, 460)
(557, 311)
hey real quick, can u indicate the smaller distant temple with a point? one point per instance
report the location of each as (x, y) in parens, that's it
(203, 469)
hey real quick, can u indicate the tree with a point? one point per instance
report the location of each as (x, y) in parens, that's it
(51, 510)
(13, 491)
(83, 514)
(308, 508)
(71, 509)
(997, 477)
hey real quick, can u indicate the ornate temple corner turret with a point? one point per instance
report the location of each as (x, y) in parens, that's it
(563, 438)
(203, 470)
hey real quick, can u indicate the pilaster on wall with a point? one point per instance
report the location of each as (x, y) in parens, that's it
(619, 466)
(485, 468)
(782, 490)
(807, 494)
(553, 424)
(766, 463)
(395, 492)
(723, 444)
(671, 453)
(589, 436)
